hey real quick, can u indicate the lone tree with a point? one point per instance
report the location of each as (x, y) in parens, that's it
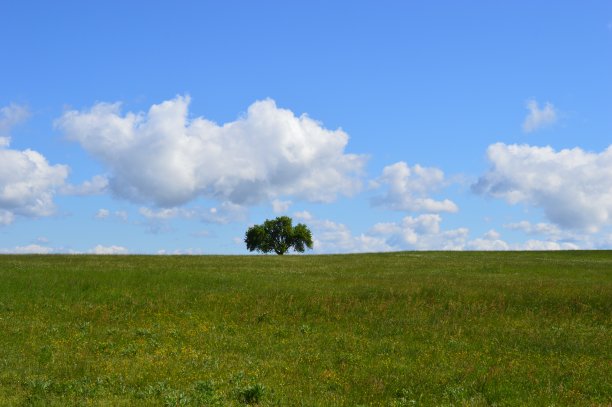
(278, 236)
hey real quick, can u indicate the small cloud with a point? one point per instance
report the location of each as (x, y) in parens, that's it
(534, 228)
(486, 244)
(6, 217)
(102, 213)
(96, 186)
(492, 235)
(11, 116)
(227, 212)
(105, 213)
(304, 215)
(279, 206)
(123, 215)
(539, 118)
(163, 214)
(489, 241)
(182, 252)
(99, 249)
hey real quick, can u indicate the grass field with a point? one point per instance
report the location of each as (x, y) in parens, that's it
(396, 329)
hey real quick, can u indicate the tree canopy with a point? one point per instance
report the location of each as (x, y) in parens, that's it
(278, 236)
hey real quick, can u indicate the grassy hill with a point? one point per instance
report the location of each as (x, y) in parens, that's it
(396, 329)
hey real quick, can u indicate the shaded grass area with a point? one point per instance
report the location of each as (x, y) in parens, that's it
(394, 329)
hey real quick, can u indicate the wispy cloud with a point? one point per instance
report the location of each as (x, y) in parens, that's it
(105, 213)
(279, 206)
(11, 116)
(537, 117)
(95, 186)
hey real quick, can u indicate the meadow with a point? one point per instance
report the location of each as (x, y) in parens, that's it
(393, 329)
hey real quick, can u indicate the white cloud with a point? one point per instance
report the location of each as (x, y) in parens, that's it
(545, 245)
(412, 233)
(489, 241)
(102, 213)
(33, 249)
(279, 206)
(164, 213)
(304, 215)
(573, 187)
(27, 181)
(408, 189)
(10, 116)
(97, 185)
(99, 249)
(556, 238)
(29, 249)
(492, 234)
(484, 244)
(534, 228)
(492, 241)
(28, 184)
(105, 213)
(159, 220)
(539, 118)
(420, 233)
(227, 212)
(165, 158)
(123, 215)
(181, 252)
(332, 237)
(6, 217)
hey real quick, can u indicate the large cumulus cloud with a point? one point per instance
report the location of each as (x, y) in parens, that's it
(165, 158)
(572, 186)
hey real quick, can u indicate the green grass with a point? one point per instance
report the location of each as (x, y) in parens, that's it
(397, 329)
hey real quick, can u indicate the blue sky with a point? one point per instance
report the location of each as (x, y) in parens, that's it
(171, 127)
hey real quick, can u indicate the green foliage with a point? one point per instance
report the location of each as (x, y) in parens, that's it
(278, 236)
(392, 329)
